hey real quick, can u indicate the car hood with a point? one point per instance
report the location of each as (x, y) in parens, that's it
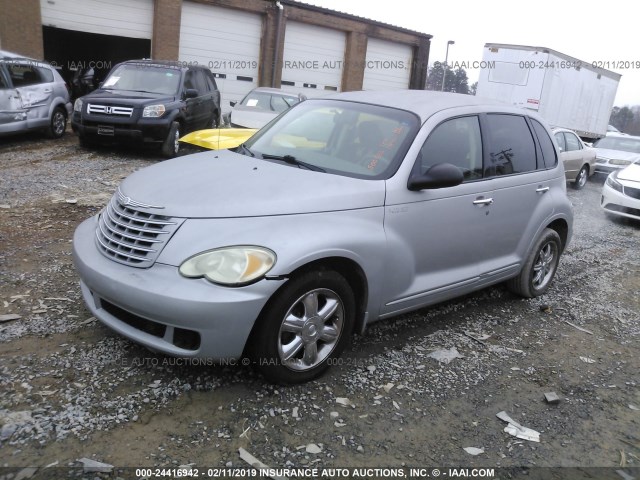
(127, 97)
(225, 184)
(617, 154)
(630, 173)
(249, 117)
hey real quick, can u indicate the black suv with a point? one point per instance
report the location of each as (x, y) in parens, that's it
(148, 101)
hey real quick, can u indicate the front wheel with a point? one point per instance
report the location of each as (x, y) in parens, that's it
(171, 145)
(540, 267)
(305, 328)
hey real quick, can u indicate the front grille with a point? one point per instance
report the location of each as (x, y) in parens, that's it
(109, 110)
(129, 235)
(632, 192)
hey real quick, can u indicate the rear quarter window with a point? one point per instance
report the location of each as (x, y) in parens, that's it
(546, 144)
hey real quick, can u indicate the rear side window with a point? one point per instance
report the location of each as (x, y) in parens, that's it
(559, 138)
(211, 82)
(25, 75)
(511, 146)
(458, 142)
(548, 150)
(45, 74)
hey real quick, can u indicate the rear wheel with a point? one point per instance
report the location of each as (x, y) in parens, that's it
(540, 267)
(305, 328)
(171, 145)
(581, 178)
(57, 123)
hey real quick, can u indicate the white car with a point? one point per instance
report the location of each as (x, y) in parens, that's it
(616, 151)
(621, 192)
(260, 106)
(579, 160)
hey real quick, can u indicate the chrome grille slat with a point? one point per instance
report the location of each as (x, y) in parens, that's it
(128, 225)
(132, 246)
(128, 234)
(110, 110)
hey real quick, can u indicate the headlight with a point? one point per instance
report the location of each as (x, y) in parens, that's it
(613, 183)
(77, 105)
(153, 111)
(232, 266)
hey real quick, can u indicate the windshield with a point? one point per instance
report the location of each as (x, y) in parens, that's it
(344, 138)
(626, 144)
(268, 101)
(143, 78)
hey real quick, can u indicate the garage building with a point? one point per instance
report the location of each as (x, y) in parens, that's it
(246, 43)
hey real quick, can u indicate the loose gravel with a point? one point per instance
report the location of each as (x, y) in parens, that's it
(413, 391)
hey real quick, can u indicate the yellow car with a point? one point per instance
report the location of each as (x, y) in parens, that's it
(219, 138)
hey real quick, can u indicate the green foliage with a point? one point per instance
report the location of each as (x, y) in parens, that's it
(455, 80)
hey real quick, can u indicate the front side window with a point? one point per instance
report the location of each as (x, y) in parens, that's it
(458, 142)
(340, 137)
(511, 146)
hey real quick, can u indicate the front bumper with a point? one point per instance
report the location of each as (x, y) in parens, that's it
(140, 130)
(164, 311)
(617, 203)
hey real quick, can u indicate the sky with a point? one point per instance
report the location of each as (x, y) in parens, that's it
(603, 34)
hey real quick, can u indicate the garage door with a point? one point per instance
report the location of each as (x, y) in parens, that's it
(122, 18)
(225, 40)
(313, 59)
(388, 65)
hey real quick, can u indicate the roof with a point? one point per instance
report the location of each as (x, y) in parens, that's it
(350, 16)
(277, 91)
(588, 65)
(176, 64)
(421, 102)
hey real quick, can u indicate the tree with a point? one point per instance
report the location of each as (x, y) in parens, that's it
(621, 118)
(455, 80)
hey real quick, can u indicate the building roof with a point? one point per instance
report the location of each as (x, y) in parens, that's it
(350, 16)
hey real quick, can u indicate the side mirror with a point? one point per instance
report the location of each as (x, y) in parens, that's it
(191, 93)
(441, 175)
(233, 103)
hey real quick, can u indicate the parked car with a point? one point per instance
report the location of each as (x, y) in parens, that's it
(33, 96)
(260, 106)
(616, 151)
(621, 192)
(148, 102)
(579, 160)
(345, 210)
(219, 138)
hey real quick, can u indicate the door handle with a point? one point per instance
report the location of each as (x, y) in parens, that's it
(483, 201)
(542, 189)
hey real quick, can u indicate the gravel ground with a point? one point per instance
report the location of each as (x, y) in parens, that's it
(71, 390)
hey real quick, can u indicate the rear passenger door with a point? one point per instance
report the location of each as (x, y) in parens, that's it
(521, 189)
(34, 88)
(198, 108)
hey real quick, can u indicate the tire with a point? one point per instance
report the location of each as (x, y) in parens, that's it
(540, 267)
(581, 178)
(57, 123)
(320, 309)
(171, 145)
(215, 120)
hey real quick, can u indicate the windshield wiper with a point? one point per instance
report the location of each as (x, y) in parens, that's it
(244, 147)
(291, 160)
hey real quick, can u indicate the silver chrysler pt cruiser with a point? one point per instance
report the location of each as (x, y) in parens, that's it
(342, 211)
